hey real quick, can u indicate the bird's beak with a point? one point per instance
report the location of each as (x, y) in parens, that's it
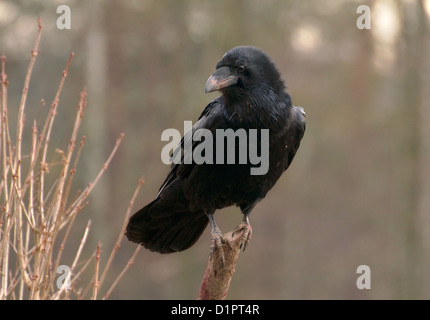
(221, 78)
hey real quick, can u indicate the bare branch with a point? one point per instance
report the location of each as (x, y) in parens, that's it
(96, 275)
(218, 274)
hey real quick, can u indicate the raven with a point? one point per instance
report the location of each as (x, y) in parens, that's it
(252, 97)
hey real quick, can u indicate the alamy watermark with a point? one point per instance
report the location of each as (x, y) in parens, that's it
(363, 281)
(63, 280)
(363, 21)
(230, 147)
(64, 20)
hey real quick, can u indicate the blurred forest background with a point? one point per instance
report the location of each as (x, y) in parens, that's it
(358, 191)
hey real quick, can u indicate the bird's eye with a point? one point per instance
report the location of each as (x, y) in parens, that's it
(241, 68)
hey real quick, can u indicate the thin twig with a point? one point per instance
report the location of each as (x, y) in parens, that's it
(78, 274)
(63, 174)
(72, 173)
(47, 124)
(91, 185)
(77, 256)
(17, 171)
(4, 245)
(129, 263)
(96, 274)
(121, 233)
(20, 126)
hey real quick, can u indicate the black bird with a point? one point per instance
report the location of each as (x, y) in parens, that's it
(253, 96)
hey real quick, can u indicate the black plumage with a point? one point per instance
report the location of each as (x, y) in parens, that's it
(253, 96)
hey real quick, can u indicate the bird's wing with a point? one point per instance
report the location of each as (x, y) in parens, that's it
(299, 119)
(207, 120)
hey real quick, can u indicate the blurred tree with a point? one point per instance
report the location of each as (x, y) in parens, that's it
(423, 171)
(96, 79)
(414, 149)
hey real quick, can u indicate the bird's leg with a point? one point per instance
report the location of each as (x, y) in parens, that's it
(216, 242)
(247, 231)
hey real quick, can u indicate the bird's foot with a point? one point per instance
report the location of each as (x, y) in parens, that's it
(216, 244)
(246, 228)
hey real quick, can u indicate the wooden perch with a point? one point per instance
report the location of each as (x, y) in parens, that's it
(218, 274)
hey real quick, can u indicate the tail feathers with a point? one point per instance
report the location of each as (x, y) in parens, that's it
(165, 228)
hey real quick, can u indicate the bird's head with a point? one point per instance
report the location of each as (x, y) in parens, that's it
(245, 69)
